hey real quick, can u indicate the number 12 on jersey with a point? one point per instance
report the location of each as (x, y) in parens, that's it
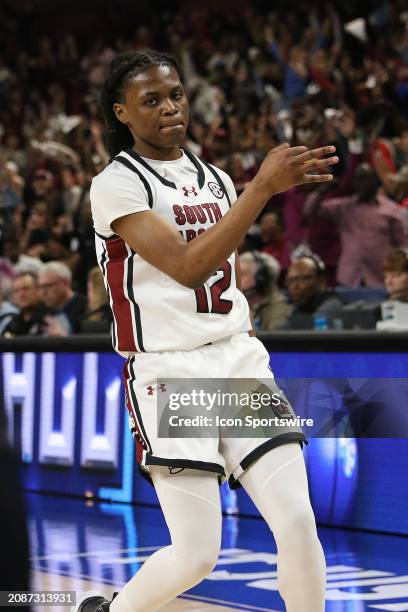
(216, 304)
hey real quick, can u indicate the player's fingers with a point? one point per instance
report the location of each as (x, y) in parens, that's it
(317, 178)
(280, 147)
(315, 154)
(297, 150)
(318, 164)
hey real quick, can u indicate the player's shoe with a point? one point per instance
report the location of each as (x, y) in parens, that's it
(92, 602)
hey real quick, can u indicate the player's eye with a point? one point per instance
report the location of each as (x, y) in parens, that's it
(151, 102)
(178, 95)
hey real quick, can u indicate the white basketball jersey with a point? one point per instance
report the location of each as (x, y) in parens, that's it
(151, 311)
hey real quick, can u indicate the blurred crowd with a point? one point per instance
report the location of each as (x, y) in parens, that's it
(255, 77)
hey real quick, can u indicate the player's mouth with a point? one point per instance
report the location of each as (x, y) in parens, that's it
(179, 125)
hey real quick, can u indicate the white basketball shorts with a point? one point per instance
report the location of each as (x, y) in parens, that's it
(238, 356)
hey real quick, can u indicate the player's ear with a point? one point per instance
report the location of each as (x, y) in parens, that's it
(121, 112)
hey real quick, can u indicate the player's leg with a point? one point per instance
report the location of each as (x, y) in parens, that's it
(277, 484)
(190, 502)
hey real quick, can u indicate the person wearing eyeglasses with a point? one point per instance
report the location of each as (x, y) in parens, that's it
(308, 290)
(29, 319)
(55, 285)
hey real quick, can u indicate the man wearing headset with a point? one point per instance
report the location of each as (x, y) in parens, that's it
(307, 288)
(259, 274)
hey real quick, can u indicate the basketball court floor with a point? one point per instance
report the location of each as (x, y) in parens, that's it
(80, 546)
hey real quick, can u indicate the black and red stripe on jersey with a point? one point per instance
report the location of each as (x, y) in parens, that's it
(116, 263)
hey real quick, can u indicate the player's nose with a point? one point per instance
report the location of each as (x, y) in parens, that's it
(169, 107)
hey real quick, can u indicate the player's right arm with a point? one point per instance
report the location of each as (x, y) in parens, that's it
(192, 263)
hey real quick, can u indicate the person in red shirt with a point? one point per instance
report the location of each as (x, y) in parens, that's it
(274, 241)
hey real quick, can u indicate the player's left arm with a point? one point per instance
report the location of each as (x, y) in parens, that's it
(252, 332)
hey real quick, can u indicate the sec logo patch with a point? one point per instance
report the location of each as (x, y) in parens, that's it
(216, 190)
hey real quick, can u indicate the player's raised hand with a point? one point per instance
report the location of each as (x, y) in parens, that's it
(285, 167)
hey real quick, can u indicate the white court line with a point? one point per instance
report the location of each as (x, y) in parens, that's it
(77, 575)
(229, 551)
(57, 555)
(125, 560)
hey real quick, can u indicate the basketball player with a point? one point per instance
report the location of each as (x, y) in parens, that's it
(167, 226)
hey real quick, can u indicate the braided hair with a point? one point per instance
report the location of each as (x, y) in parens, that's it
(122, 69)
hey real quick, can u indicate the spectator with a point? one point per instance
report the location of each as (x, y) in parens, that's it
(294, 68)
(7, 311)
(63, 243)
(13, 152)
(57, 294)
(14, 262)
(268, 305)
(390, 160)
(38, 221)
(42, 189)
(26, 297)
(71, 192)
(396, 275)
(7, 274)
(274, 240)
(11, 187)
(307, 289)
(240, 176)
(36, 247)
(98, 304)
(370, 225)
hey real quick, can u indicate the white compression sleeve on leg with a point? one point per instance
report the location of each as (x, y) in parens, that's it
(277, 484)
(190, 502)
